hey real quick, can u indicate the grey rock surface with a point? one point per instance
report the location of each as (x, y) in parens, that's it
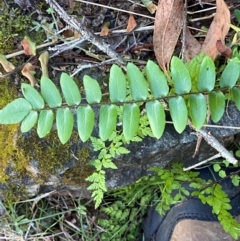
(171, 147)
(143, 155)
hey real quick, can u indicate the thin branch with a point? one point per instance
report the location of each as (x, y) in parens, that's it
(212, 141)
(117, 9)
(202, 162)
(86, 33)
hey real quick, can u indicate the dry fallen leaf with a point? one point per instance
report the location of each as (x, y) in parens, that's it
(217, 32)
(8, 66)
(218, 29)
(28, 72)
(105, 29)
(192, 46)
(152, 8)
(168, 25)
(223, 49)
(131, 23)
(29, 47)
(43, 58)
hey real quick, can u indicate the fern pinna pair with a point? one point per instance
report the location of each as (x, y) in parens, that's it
(184, 89)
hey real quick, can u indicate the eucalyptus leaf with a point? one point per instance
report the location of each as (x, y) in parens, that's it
(107, 121)
(45, 122)
(236, 96)
(179, 113)
(64, 122)
(180, 76)
(29, 121)
(138, 84)
(85, 122)
(207, 75)
(230, 74)
(131, 116)
(15, 111)
(70, 90)
(157, 80)
(33, 96)
(197, 110)
(50, 93)
(216, 105)
(92, 89)
(117, 84)
(156, 116)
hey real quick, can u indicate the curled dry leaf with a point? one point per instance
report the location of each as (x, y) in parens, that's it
(223, 49)
(217, 32)
(28, 72)
(131, 23)
(29, 47)
(168, 25)
(218, 29)
(105, 29)
(44, 58)
(152, 8)
(8, 66)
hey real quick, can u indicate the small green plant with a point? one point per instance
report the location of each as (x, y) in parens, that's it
(185, 100)
(220, 166)
(164, 188)
(120, 117)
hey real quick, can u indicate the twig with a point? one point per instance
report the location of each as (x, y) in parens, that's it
(212, 141)
(81, 67)
(86, 33)
(8, 56)
(202, 162)
(117, 9)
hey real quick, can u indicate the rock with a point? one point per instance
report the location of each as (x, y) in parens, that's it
(170, 147)
(53, 166)
(31, 165)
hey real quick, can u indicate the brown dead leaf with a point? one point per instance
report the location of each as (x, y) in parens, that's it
(152, 8)
(29, 47)
(28, 72)
(223, 49)
(68, 33)
(105, 29)
(218, 29)
(131, 23)
(192, 46)
(77, 35)
(168, 25)
(8, 66)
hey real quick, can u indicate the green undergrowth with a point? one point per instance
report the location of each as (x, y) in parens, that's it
(122, 211)
(136, 106)
(163, 189)
(14, 25)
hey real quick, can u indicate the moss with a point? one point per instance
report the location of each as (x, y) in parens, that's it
(8, 133)
(82, 169)
(13, 23)
(50, 153)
